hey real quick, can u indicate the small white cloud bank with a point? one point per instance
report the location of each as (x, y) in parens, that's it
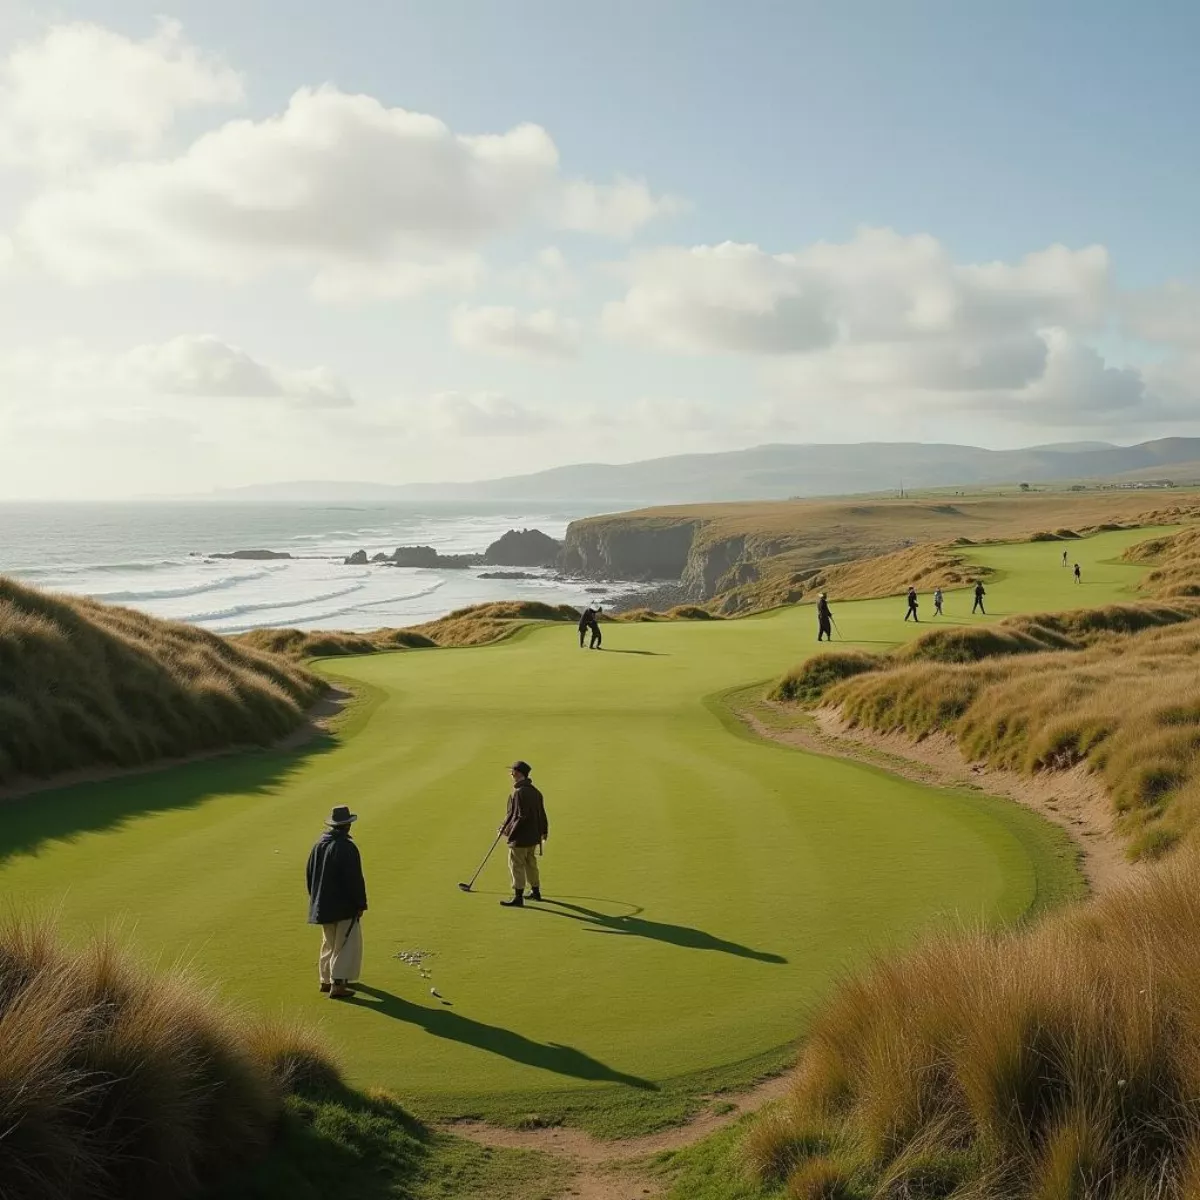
(82, 92)
(542, 336)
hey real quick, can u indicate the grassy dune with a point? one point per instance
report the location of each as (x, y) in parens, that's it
(85, 685)
(117, 1083)
(477, 625)
(1059, 1061)
(1053, 1063)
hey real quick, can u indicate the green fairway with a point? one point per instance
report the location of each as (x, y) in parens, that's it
(706, 887)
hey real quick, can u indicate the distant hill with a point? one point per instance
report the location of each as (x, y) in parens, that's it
(773, 472)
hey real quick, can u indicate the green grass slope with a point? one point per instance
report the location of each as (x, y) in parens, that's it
(708, 888)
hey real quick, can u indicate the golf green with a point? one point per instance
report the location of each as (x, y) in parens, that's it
(704, 888)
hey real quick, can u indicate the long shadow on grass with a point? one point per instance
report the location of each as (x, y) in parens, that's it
(634, 925)
(27, 823)
(648, 653)
(550, 1056)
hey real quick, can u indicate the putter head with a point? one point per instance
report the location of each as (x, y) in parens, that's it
(466, 887)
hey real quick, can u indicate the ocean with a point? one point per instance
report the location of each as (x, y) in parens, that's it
(156, 557)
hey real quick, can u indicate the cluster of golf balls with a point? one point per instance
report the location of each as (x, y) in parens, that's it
(416, 958)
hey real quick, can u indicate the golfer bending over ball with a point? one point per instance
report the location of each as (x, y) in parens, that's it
(337, 899)
(526, 828)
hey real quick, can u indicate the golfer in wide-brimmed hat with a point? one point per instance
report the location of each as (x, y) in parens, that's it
(337, 899)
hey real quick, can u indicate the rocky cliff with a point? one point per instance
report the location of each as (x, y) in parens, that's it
(627, 548)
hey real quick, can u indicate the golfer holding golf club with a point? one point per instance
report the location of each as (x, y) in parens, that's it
(526, 827)
(337, 899)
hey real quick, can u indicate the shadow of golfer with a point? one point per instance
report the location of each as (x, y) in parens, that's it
(550, 1056)
(649, 653)
(634, 925)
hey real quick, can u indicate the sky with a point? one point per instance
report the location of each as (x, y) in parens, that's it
(439, 239)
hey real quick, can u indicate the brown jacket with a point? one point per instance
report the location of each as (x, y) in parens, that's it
(525, 823)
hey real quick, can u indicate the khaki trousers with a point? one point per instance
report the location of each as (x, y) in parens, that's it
(523, 866)
(341, 955)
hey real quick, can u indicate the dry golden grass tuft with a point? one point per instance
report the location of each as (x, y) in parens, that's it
(1055, 1061)
(85, 685)
(116, 1084)
(476, 625)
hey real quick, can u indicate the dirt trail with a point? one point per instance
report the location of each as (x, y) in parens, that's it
(1074, 799)
(609, 1170)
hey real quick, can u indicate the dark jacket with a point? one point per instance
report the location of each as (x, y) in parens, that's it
(912, 598)
(588, 620)
(823, 613)
(979, 591)
(336, 888)
(525, 822)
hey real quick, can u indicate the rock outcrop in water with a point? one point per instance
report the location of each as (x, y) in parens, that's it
(357, 559)
(427, 556)
(255, 555)
(523, 548)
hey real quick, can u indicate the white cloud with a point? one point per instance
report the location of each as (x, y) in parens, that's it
(878, 287)
(1076, 383)
(547, 277)
(615, 210)
(541, 336)
(1169, 315)
(207, 366)
(886, 324)
(198, 366)
(714, 299)
(479, 414)
(367, 201)
(82, 90)
(344, 282)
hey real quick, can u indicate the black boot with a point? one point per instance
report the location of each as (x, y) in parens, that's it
(535, 893)
(518, 900)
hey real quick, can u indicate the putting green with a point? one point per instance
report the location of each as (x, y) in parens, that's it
(707, 887)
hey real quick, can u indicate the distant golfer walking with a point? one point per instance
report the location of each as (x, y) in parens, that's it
(526, 828)
(979, 595)
(824, 619)
(590, 621)
(937, 603)
(912, 605)
(1078, 576)
(1064, 558)
(337, 899)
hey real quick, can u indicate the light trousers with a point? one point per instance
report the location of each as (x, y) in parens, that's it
(523, 867)
(341, 951)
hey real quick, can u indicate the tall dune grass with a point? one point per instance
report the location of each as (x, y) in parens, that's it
(1057, 1062)
(1117, 688)
(86, 685)
(116, 1084)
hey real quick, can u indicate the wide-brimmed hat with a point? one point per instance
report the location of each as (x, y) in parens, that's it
(342, 815)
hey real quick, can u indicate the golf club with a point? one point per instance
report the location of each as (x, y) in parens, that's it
(466, 887)
(350, 930)
(835, 626)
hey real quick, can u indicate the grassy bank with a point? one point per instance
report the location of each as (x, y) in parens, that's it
(118, 1083)
(1116, 688)
(477, 625)
(1054, 1063)
(85, 685)
(1057, 1061)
